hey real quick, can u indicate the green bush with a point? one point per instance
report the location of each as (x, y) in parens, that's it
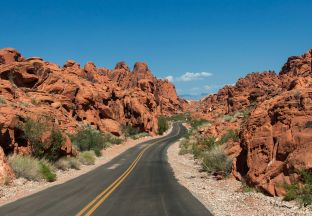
(87, 157)
(185, 147)
(111, 139)
(230, 135)
(301, 193)
(206, 144)
(129, 131)
(34, 130)
(26, 167)
(215, 161)
(196, 123)
(47, 173)
(88, 138)
(308, 124)
(163, 124)
(229, 118)
(66, 163)
(140, 135)
(62, 164)
(32, 168)
(56, 141)
(74, 163)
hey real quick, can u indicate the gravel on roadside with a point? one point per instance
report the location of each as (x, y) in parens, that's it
(224, 197)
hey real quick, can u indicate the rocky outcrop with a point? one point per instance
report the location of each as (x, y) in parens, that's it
(71, 96)
(141, 77)
(276, 137)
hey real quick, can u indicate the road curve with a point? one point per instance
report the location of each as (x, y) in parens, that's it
(137, 182)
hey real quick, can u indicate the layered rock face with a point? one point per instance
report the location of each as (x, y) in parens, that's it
(276, 138)
(141, 77)
(72, 96)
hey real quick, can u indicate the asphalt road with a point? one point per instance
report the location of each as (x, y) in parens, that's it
(137, 182)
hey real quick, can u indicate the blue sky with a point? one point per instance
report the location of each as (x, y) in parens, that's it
(201, 44)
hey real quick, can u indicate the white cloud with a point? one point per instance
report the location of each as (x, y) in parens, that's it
(189, 76)
(169, 78)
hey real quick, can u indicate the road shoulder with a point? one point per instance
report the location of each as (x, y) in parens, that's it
(223, 197)
(22, 188)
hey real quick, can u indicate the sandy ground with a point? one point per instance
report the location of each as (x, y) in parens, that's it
(22, 187)
(224, 197)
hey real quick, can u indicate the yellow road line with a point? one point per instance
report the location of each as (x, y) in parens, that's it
(104, 194)
(108, 188)
(112, 190)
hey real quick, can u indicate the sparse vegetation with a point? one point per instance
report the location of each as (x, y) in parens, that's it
(215, 161)
(32, 168)
(2, 100)
(47, 173)
(140, 135)
(184, 117)
(302, 193)
(87, 157)
(50, 148)
(196, 123)
(308, 124)
(66, 163)
(163, 124)
(26, 167)
(129, 131)
(88, 138)
(229, 118)
(248, 189)
(230, 135)
(56, 141)
(209, 151)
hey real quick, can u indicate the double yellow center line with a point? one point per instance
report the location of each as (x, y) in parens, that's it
(97, 201)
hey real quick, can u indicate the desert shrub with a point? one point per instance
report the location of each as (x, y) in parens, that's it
(88, 138)
(196, 123)
(206, 143)
(74, 163)
(180, 117)
(115, 140)
(228, 118)
(230, 135)
(163, 124)
(2, 100)
(62, 164)
(140, 135)
(291, 192)
(185, 147)
(308, 124)
(56, 141)
(129, 131)
(87, 157)
(66, 163)
(301, 193)
(215, 161)
(47, 173)
(26, 167)
(32, 168)
(34, 130)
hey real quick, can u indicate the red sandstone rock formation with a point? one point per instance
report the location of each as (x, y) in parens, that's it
(72, 96)
(276, 138)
